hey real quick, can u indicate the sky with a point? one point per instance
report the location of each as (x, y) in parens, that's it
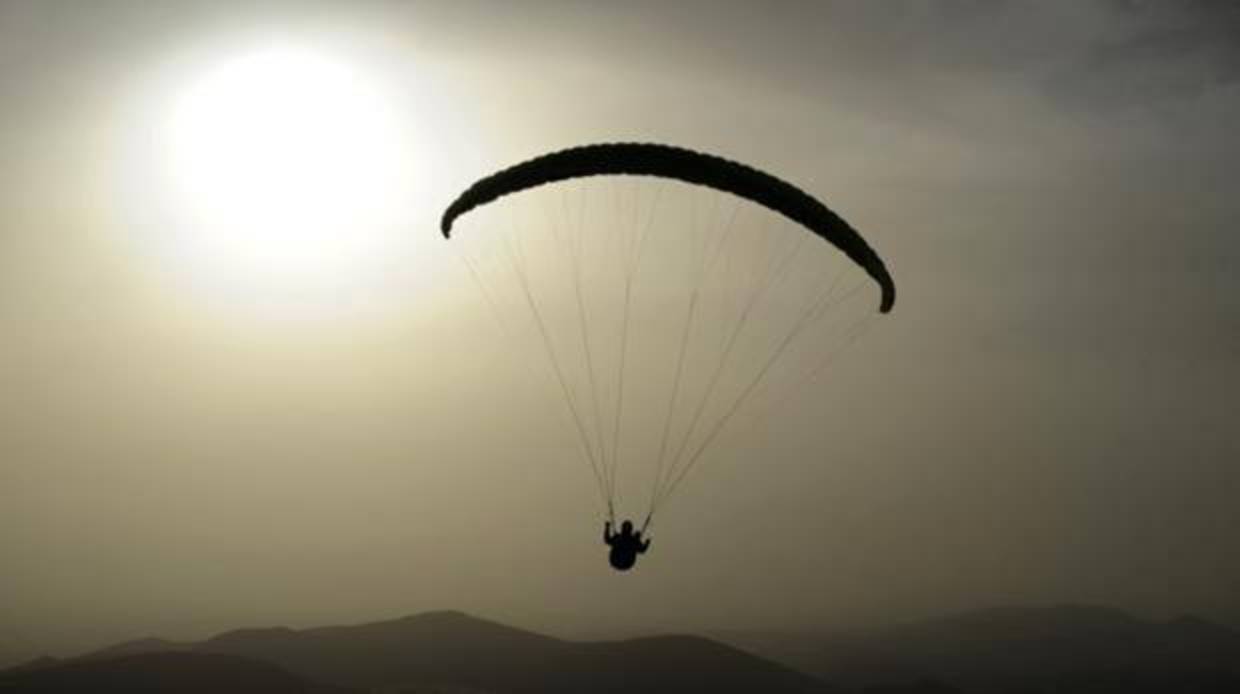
(200, 431)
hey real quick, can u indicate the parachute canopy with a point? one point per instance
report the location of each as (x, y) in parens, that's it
(738, 309)
(644, 159)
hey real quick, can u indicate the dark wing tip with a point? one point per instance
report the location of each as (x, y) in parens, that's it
(889, 299)
(888, 285)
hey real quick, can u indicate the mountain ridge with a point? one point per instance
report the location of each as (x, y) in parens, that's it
(1068, 648)
(1064, 648)
(452, 649)
(172, 671)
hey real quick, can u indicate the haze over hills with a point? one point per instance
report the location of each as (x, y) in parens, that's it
(452, 649)
(1015, 650)
(184, 673)
(1019, 649)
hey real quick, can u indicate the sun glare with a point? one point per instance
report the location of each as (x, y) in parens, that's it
(285, 167)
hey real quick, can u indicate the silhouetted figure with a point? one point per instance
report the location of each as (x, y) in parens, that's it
(625, 545)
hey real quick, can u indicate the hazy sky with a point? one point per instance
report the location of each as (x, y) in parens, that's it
(1047, 415)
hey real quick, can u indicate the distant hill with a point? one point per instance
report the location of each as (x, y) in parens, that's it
(39, 663)
(1064, 649)
(454, 648)
(138, 646)
(183, 673)
(451, 651)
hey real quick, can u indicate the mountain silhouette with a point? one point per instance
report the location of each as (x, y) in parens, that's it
(1067, 648)
(453, 648)
(40, 663)
(138, 646)
(1014, 650)
(184, 673)
(446, 650)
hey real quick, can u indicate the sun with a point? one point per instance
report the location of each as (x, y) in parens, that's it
(286, 169)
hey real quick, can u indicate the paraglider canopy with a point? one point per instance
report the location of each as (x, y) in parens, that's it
(759, 292)
(644, 159)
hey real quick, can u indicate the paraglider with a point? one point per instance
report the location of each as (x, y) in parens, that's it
(749, 268)
(625, 545)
